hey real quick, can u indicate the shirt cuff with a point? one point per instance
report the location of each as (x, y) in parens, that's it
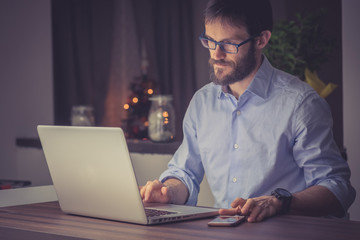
(192, 188)
(345, 193)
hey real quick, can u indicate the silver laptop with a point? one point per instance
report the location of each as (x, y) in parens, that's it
(93, 176)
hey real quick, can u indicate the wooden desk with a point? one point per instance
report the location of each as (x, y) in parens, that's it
(46, 221)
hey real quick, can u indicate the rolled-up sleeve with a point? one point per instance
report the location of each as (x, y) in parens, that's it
(316, 151)
(186, 163)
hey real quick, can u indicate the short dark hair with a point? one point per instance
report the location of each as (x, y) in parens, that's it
(255, 15)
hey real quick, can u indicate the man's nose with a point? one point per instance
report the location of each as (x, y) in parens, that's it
(218, 53)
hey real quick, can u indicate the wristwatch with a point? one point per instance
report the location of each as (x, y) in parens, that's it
(285, 197)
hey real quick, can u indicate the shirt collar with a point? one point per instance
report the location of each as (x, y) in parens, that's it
(224, 91)
(259, 85)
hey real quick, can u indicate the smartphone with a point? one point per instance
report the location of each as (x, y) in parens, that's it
(226, 221)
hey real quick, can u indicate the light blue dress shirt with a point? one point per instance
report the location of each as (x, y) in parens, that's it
(277, 134)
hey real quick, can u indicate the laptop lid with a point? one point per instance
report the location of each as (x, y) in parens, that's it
(93, 176)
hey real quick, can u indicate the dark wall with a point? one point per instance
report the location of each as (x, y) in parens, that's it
(331, 71)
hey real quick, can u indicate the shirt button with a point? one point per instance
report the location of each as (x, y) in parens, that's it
(234, 179)
(236, 146)
(238, 113)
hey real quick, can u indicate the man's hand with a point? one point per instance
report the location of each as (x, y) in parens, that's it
(171, 191)
(256, 209)
(155, 191)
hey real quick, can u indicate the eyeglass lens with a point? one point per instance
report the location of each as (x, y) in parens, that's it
(226, 47)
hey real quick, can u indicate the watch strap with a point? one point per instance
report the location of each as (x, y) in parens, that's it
(285, 197)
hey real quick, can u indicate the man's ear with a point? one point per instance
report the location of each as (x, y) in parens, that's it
(263, 39)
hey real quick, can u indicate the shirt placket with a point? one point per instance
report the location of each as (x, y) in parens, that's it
(235, 150)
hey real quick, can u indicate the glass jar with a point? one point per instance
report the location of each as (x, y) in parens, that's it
(161, 119)
(82, 116)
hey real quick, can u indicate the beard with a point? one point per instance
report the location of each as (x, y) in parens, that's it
(241, 68)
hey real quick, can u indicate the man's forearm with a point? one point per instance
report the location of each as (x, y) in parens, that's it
(178, 191)
(316, 201)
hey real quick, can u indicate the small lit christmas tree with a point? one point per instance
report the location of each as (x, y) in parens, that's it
(138, 104)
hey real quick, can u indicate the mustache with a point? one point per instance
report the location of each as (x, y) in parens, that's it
(221, 62)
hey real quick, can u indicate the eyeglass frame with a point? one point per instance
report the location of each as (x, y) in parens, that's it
(220, 44)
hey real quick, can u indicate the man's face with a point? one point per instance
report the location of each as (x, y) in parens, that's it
(227, 68)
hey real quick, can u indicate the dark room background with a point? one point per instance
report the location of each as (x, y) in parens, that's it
(97, 47)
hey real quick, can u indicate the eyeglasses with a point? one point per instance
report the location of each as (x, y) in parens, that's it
(224, 46)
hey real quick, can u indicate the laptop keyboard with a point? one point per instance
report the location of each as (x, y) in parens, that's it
(150, 212)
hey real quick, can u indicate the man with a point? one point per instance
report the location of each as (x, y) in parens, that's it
(263, 137)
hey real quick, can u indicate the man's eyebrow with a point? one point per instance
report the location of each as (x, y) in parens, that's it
(207, 36)
(235, 38)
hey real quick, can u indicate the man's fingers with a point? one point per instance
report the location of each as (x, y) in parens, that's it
(255, 213)
(147, 194)
(262, 215)
(248, 206)
(154, 191)
(164, 191)
(236, 209)
(238, 202)
(230, 211)
(146, 191)
(151, 188)
(142, 191)
(259, 208)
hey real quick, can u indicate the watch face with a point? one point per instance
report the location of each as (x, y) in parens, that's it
(282, 192)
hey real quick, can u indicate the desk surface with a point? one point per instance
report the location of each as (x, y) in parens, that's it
(46, 221)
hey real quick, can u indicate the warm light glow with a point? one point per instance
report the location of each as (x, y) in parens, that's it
(126, 106)
(165, 114)
(166, 122)
(150, 91)
(146, 124)
(135, 100)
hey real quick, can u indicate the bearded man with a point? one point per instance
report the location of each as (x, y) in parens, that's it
(263, 137)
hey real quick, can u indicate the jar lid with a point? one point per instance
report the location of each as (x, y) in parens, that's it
(82, 108)
(161, 98)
